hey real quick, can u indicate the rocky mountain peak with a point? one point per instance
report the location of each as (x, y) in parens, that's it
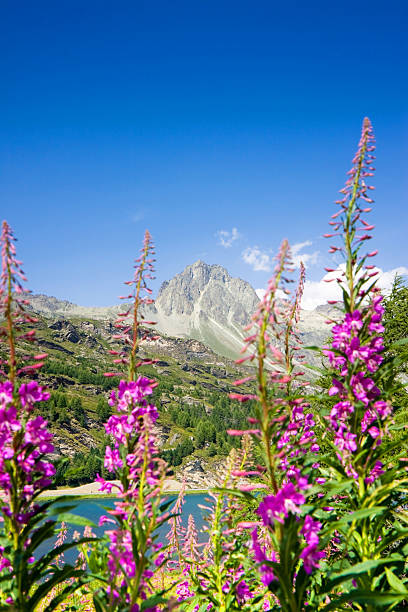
(206, 303)
(206, 289)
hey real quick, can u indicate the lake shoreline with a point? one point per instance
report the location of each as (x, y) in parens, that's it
(91, 490)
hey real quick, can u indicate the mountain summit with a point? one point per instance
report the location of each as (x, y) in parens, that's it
(204, 302)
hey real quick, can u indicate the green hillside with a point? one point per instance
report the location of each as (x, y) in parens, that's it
(192, 396)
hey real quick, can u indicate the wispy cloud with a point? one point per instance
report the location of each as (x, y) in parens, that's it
(261, 260)
(309, 259)
(257, 259)
(226, 238)
(318, 292)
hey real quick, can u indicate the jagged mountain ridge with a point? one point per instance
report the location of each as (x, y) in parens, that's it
(203, 302)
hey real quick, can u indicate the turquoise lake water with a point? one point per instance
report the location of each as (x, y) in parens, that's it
(93, 509)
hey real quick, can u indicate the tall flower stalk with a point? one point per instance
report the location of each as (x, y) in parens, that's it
(370, 535)
(285, 436)
(131, 552)
(25, 470)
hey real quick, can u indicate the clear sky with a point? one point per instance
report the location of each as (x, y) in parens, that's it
(192, 118)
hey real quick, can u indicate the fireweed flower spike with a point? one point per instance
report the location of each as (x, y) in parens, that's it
(286, 435)
(25, 470)
(131, 554)
(265, 332)
(363, 384)
(13, 302)
(176, 532)
(130, 320)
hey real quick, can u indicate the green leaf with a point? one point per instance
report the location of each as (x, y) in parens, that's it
(359, 568)
(153, 601)
(75, 519)
(165, 506)
(58, 577)
(365, 597)
(395, 583)
(98, 602)
(60, 510)
(45, 532)
(362, 514)
(401, 342)
(47, 559)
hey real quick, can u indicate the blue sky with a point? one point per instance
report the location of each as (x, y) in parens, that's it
(191, 118)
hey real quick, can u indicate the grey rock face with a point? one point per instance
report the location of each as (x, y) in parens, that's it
(216, 292)
(206, 303)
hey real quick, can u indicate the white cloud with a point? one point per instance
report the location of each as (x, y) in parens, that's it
(387, 278)
(300, 245)
(227, 238)
(309, 259)
(318, 292)
(260, 293)
(259, 260)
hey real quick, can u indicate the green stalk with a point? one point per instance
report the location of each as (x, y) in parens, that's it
(261, 376)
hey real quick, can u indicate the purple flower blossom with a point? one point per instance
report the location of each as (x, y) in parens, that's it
(112, 459)
(36, 433)
(30, 393)
(183, 591)
(131, 393)
(121, 558)
(310, 529)
(364, 389)
(243, 592)
(375, 473)
(382, 408)
(374, 432)
(340, 413)
(353, 321)
(337, 387)
(377, 307)
(336, 361)
(28, 450)
(267, 575)
(6, 394)
(345, 440)
(311, 556)
(275, 507)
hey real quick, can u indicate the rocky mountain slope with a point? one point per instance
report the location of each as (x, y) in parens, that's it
(203, 302)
